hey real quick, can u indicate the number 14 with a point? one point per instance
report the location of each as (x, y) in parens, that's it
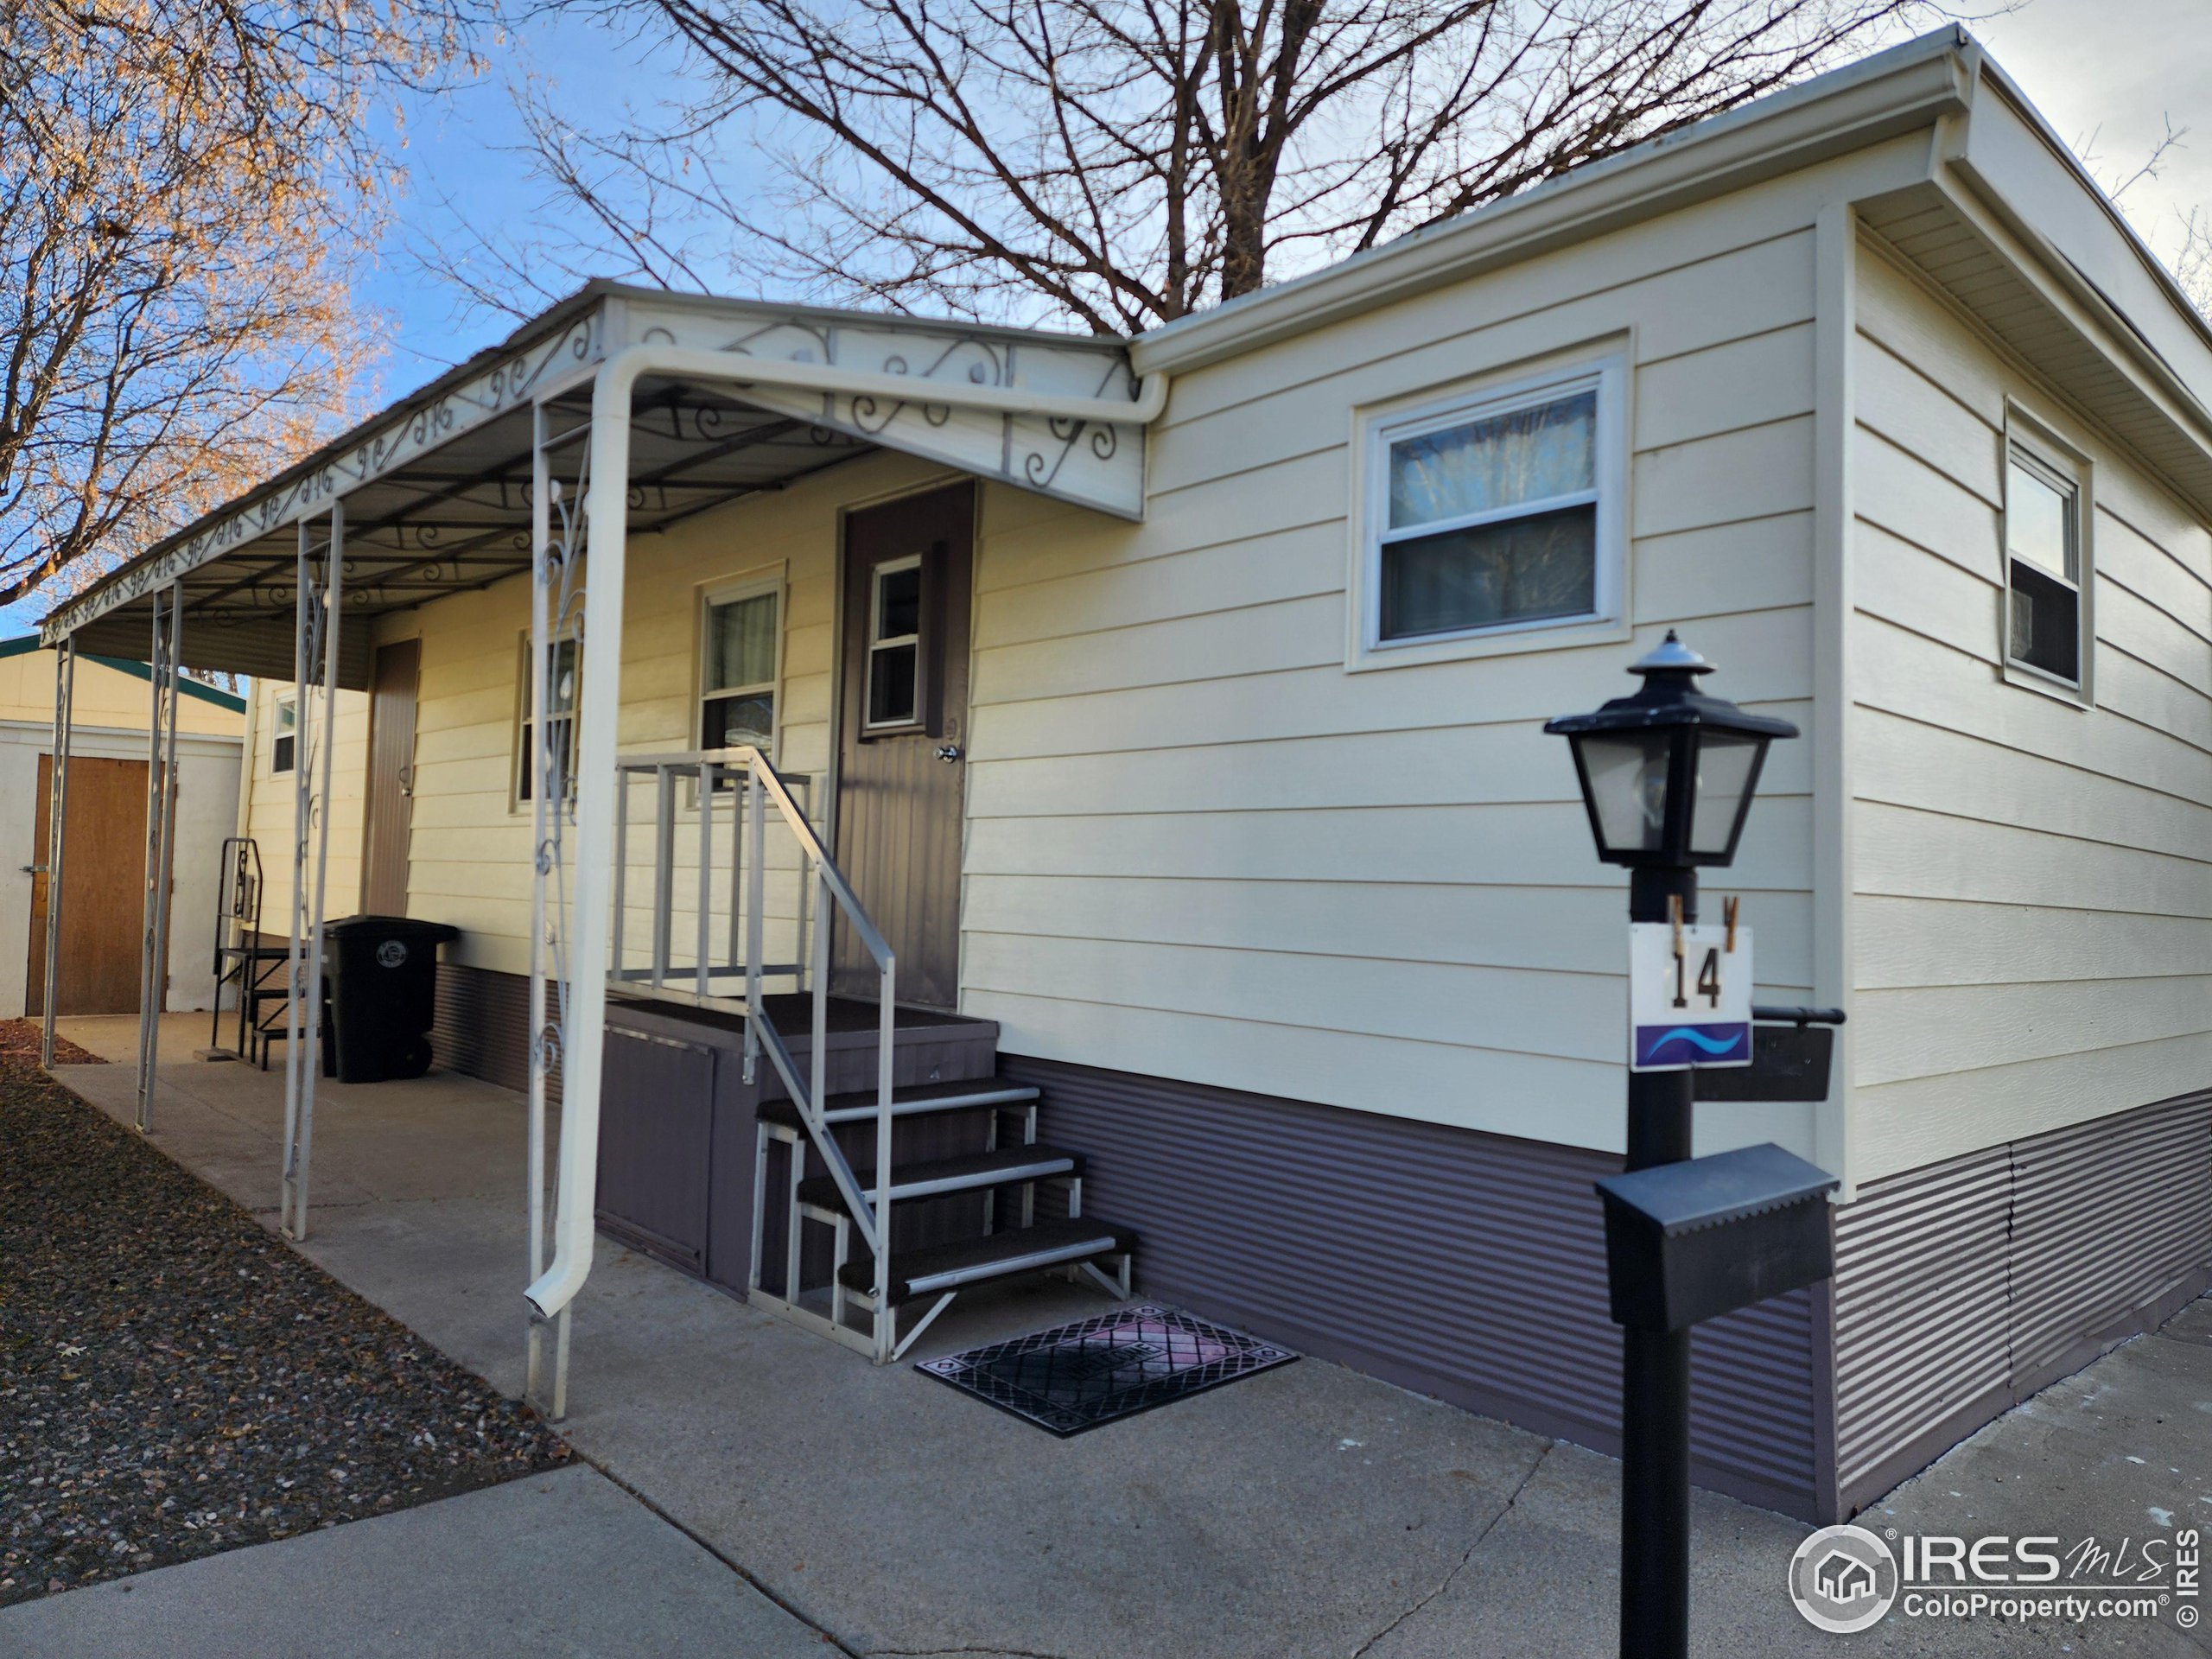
(1708, 980)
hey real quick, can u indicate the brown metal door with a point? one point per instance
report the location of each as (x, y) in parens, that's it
(392, 778)
(104, 888)
(909, 570)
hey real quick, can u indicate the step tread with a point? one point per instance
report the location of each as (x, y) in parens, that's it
(968, 1171)
(910, 1101)
(911, 1268)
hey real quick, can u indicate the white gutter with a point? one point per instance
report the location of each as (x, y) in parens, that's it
(606, 554)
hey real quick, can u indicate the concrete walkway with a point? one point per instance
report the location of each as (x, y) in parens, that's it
(1306, 1511)
(564, 1563)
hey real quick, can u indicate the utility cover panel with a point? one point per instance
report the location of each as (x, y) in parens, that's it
(1690, 1007)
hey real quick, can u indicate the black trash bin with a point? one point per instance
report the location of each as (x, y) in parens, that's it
(383, 973)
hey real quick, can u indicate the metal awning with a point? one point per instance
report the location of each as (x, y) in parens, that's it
(437, 488)
(620, 412)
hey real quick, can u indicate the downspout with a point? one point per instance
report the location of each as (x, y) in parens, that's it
(606, 554)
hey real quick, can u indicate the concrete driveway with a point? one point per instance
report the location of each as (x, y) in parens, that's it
(1306, 1511)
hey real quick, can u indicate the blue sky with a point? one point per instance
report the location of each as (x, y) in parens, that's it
(2118, 72)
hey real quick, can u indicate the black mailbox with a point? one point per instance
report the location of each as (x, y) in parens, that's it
(1690, 1241)
(1788, 1063)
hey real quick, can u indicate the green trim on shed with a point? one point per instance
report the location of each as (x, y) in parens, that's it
(190, 688)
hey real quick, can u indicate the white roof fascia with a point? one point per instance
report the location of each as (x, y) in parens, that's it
(1908, 86)
(2011, 165)
(413, 427)
(1061, 451)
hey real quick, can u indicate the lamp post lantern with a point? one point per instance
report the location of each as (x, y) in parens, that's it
(1667, 775)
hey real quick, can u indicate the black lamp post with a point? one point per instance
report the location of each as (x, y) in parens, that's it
(1666, 775)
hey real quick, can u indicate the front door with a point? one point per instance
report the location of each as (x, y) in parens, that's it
(103, 892)
(392, 778)
(909, 570)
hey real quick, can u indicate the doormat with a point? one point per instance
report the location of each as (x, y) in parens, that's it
(1094, 1371)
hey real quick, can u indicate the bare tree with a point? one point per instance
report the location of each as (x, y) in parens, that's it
(2192, 264)
(182, 183)
(2186, 237)
(1118, 163)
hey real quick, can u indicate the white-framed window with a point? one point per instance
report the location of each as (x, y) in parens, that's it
(1496, 512)
(2046, 549)
(741, 664)
(284, 736)
(565, 670)
(894, 645)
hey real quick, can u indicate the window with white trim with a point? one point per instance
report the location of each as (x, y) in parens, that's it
(564, 668)
(741, 651)
(2043, 564)
(894, 645)
(1496, 514)
(284, 738)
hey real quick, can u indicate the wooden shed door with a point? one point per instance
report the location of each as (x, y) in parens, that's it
(392, 778)
(103, 886)
(902, 742)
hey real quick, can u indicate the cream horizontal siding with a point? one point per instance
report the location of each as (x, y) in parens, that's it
(269, 813)
(470, 847)
(2033, 913)
(100, 696)
(1199, 846)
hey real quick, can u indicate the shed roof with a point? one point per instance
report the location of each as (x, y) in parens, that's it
(208, 693)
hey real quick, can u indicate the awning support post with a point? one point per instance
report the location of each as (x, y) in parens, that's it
(316, 605)
(557, 539)
(57, 823)
(161, 825)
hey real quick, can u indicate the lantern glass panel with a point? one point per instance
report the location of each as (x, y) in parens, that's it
(1726, 762)
(1627, 773)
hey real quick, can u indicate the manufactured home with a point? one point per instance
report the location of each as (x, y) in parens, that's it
(1103, 782)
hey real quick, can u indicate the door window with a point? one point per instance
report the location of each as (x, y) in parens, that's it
(894, 645)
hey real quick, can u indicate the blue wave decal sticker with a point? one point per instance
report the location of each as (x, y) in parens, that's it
(1681, 1045)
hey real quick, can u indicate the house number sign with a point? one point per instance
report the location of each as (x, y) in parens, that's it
(1689, 996)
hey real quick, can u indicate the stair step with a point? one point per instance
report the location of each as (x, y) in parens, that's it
(911, 1101)
(937, 1176)
(936, 1268)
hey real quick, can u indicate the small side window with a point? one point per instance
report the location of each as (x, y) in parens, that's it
(738, 668)
(284, 741)
(2042, 567)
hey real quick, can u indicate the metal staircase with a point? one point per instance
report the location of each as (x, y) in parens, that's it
(915, 1223)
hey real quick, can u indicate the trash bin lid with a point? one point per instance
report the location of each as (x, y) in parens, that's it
(392, 927)
(1726, 1186)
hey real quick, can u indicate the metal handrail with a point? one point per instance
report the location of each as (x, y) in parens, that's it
(709, 770)
(873, 1220)
(871, 1211)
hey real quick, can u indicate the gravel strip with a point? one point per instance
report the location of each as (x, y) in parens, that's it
(176, 1381)
(19, 1040)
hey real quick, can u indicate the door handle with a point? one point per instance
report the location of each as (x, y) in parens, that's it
(407, 781)
(948, 752)
(34, 869)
